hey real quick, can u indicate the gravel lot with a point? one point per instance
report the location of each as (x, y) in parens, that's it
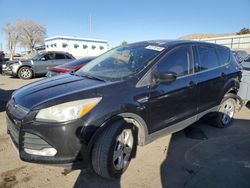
(199, 156)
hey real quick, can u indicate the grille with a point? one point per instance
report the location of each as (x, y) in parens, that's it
(31, 141)
(14, 131)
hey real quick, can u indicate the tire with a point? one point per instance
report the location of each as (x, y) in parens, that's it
(25, 73)
(111, 157)
(225, 115)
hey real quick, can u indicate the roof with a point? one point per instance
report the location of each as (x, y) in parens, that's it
(75, 39)
(172, 43)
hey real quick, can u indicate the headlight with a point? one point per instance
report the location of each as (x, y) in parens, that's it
(67, 111)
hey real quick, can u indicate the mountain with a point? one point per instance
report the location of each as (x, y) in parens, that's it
(202, 35)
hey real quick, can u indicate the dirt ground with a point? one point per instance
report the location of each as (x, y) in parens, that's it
(199, 156)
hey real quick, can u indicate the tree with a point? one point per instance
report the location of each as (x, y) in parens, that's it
(12, 37)
(124, 43)
(31, 33)
(244, 31)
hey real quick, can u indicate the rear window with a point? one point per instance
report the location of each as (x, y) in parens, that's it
(208, 58)
(78, 62)
(60, 56)
(224, 55)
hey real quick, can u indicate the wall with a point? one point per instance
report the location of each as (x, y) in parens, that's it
(232, 41)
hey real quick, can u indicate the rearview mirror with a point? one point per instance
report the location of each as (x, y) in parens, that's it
(165, 76)
(43, 59)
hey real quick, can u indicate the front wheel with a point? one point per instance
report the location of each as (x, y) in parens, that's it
(113, 150)
(224, 117)
(25, 73)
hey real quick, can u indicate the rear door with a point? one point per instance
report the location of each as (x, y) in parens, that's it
(172, 102)
(212, 76)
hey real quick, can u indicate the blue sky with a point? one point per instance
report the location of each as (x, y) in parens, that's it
(130, 20)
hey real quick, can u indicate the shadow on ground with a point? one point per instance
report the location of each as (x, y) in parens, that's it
(4, 97)
(205, 156)
(198, 156)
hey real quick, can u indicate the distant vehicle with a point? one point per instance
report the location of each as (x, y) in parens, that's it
(240, 55)
(1, 60)
(244, 91)
(68, 67)
(37, 65)
(129, 96)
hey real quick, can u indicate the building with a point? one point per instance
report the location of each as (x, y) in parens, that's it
(78, 47)
(231, 41)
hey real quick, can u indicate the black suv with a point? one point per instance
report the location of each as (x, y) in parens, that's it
(129, 96)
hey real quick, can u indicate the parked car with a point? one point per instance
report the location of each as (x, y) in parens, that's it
(244, 91)
(37, 65)
(1, 60)
(68, 67)
(129, 96)
(240, 55)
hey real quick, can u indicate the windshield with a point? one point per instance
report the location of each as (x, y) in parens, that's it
(78, 62)
(37, 57)
(121, 62)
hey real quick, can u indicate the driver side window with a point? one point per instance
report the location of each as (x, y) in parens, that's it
(178, 61)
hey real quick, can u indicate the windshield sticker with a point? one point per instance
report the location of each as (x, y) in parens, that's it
(156, 48)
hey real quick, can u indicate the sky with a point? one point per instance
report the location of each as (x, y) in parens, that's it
(129, 20)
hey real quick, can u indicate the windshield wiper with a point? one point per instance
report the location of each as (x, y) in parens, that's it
(93, 77)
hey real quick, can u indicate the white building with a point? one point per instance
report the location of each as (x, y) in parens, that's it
(78, 47)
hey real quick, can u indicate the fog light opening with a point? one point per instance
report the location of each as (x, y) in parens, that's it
(44, 152)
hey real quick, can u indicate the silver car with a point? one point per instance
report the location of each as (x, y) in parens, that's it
(37, 65)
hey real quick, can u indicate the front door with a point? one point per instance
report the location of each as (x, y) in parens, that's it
(172, 102)
(41, 65)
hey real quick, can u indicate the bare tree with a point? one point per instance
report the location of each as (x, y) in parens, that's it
(12, 36)
(31, 33)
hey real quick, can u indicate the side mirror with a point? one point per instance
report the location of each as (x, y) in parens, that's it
(43, 59)
(165, 76)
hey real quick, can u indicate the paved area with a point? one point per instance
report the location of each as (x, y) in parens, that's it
(199, 156)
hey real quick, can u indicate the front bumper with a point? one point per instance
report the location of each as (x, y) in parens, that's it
(8, 71)
(64, 138)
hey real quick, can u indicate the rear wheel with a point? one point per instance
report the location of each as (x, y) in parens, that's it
(25, 73)
(224, 117)
(112, 152)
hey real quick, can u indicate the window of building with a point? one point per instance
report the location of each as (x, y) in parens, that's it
(47, 46)
(76, 45)
(208, 58)
(51, 45)
(177, 61)
(64, 45)
(55, 45)
(85, 46)
(93, 47)
(101, 47)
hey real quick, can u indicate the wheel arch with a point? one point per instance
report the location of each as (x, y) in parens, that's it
(231, 87)
(29, 66)
(130, 118)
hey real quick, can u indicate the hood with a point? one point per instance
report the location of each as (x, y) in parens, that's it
(16, 61)
(50, 91)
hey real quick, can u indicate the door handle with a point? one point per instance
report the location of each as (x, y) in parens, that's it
(191, 84)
